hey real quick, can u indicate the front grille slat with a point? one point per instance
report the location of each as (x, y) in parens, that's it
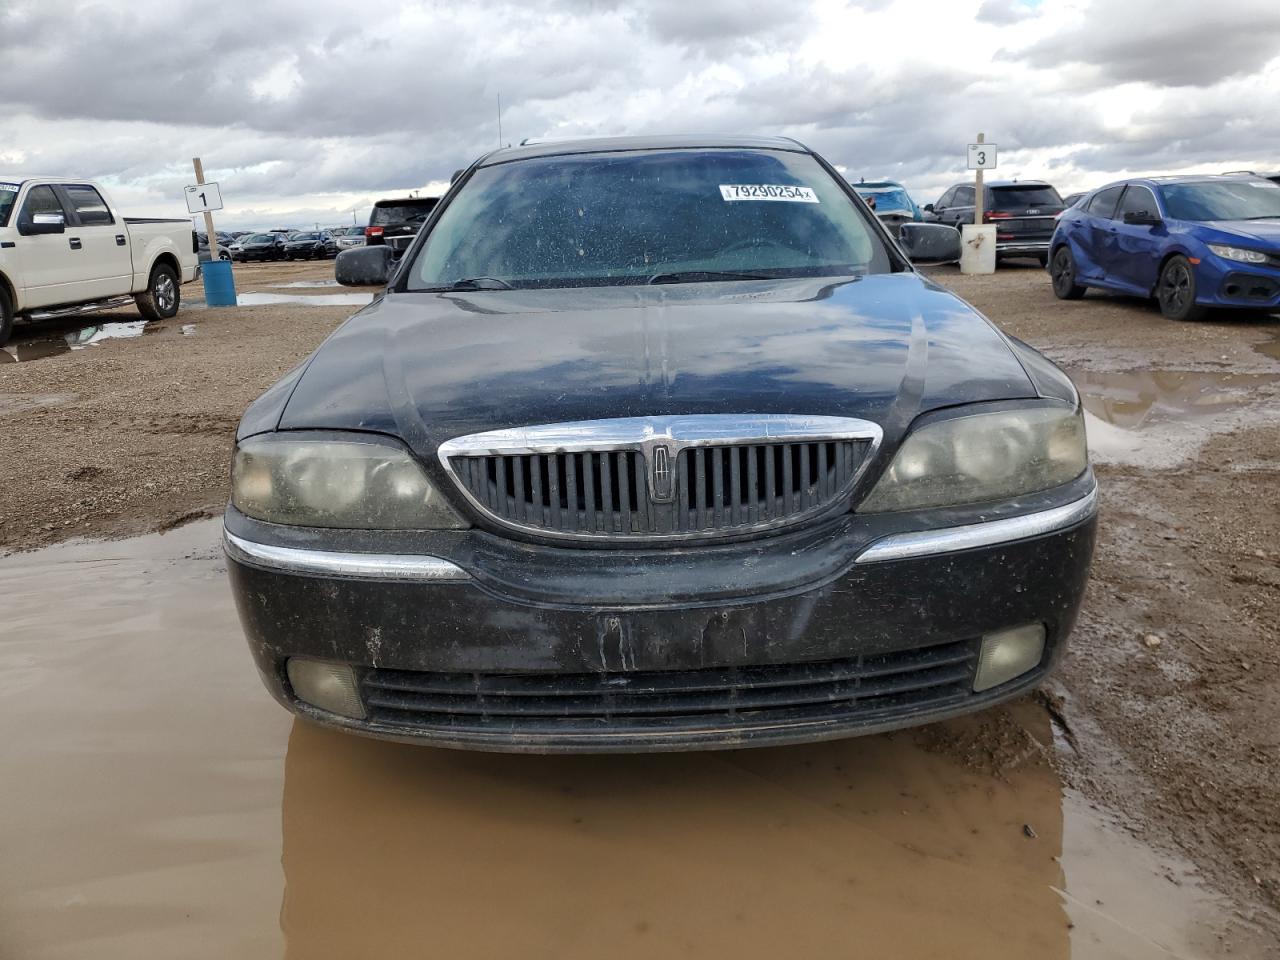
(713, 489)
(923, 676)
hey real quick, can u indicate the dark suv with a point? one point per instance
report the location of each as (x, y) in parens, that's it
(396, 222)
(1024, 213)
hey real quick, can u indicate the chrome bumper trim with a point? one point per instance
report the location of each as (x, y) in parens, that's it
(924, 543)
(373, 566)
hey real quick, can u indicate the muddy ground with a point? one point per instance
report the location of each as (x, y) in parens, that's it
(1161, 734)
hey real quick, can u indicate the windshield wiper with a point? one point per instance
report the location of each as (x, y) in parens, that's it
(471, 283)
(698, 276)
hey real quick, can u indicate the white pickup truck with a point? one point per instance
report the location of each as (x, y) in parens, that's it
(65, 249)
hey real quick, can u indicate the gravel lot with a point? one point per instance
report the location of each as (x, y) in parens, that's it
(1167, 713)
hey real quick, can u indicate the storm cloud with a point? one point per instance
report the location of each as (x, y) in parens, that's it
(308, 111)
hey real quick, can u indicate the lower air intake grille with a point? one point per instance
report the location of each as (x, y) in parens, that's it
(870, 687)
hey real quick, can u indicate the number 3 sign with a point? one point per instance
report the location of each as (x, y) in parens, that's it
(204, 197)
(982, 156)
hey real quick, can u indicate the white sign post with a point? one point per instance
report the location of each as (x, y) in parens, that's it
(978, 246)
(203, 198)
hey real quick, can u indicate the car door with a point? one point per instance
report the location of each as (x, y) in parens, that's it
(50, 264)
(106, 264)
(1131, 252)
(962, 212)
(1087, 232)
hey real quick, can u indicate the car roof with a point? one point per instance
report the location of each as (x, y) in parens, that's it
(876, 184)
(555, 148)
(397, 201)
(1005, 183)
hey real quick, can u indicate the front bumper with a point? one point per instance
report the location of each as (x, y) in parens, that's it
(489, 644)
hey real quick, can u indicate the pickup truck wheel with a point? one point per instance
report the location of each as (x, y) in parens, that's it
(163, 295)
(6, 317)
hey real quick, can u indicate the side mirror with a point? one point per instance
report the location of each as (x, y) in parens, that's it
(1141, 218)
(928, 208)
(43, 223)
(930, 242)
(365, 266)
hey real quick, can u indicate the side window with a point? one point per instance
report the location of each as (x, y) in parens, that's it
(1103, 203)
(1137, 200)
(945, 200)
(89, 205)
(40, 199)
(964, 196)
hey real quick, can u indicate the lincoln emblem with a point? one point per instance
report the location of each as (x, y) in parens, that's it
(660, 467)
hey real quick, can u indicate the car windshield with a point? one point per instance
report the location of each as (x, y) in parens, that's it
(888, 198)
(8, 194)
(260, 238)
(1022, 197)
(305, 236)
(408, 212)
(1222, 200)
(645, 216)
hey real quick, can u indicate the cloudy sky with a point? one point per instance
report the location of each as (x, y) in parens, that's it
(307, 110)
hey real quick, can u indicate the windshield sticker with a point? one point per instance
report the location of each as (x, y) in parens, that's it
(9, 187)
(767, 191)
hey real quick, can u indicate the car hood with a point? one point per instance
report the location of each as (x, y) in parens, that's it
(1259, 231)
(430, 366)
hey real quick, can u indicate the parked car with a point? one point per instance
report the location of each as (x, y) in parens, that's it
(396, 222)
(891, 202)
(1191, 242)
(224, 246)
(261, 246)
(1023, 212)
(1071, 199)
(1273, 176)
(641, 450)
(65, 249)
(310, 246)
(349, 237)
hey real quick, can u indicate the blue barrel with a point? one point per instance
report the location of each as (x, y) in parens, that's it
(219, 284)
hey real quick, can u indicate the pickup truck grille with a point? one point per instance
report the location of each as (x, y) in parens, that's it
(867, 687)
(672, 485)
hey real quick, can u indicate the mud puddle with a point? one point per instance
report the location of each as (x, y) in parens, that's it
(159, 804)
(1160, 418)
(22, 351)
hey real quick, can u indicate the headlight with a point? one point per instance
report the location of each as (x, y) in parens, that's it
(983, 456)
(1238, 254)
(336, 483)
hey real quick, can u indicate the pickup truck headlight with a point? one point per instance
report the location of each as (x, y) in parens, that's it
(336, 483)
(1239, 254)
(981, 457)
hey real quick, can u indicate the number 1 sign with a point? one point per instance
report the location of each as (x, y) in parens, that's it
(203, 197)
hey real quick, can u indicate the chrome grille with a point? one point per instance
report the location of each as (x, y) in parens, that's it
(646, 478)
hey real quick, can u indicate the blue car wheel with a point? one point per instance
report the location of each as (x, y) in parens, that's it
(1063, 273)
(1176, 291)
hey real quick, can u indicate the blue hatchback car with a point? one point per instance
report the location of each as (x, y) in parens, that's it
(1193, 243)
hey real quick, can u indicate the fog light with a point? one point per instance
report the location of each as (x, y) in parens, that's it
(329, 686)
(1007, 654)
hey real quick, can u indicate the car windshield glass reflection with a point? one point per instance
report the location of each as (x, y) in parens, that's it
(1222, 200)
(602, 219)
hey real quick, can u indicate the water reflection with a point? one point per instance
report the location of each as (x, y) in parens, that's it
(869, 847)
(1133, 399)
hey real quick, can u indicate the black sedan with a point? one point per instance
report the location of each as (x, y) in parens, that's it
(310, 246)
(260, 246)
(658, 444)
